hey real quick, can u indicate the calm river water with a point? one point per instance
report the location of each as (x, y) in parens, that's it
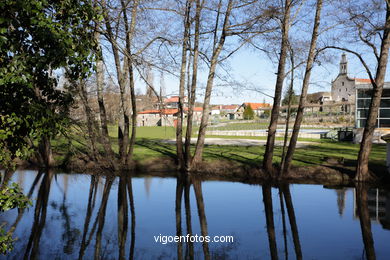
(82, 216)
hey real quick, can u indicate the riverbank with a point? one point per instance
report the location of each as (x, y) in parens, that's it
(331, 173)
(234, 163)
(236, 158)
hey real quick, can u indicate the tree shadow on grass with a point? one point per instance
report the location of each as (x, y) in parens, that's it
(158, 146)
(233, 154)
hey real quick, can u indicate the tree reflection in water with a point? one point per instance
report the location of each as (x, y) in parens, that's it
(365, 222)
(285, 201)
(98, 208)
(91, 205)
(269, 218)
(187, 203)
(184, 184)
(39, 216)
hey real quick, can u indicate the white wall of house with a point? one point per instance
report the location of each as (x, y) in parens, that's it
(148, 119)
(215, 112)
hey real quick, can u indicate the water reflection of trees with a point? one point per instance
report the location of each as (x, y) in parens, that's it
(183, 185)
(186, 250)
(39, 216)
(95, 218)
(364, 217)
(125, 201)
(286, 202)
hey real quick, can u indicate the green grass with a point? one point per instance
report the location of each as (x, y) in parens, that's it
(149, 145)
(306, 156)
(150, 132)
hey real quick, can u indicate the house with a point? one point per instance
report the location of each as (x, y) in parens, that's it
(216, 110)
(157, 117)
(196, 115)
(258, 108)
(173, 102)
(229, 111)
(319, 98)
(166, 117)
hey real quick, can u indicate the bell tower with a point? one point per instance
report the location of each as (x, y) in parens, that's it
(343, 64)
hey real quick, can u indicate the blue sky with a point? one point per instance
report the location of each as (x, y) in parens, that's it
(258, 71)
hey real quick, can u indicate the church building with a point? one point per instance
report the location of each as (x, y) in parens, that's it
(344, 87)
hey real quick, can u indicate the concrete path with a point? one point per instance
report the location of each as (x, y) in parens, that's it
(239, 142)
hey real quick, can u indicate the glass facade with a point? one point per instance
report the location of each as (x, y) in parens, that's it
(363, 100)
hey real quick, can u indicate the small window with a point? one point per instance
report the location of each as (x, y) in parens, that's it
(342, 83)
(339, 89)
(345, 89)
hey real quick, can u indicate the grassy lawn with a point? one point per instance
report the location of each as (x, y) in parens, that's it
(309, 155)
(149, 145)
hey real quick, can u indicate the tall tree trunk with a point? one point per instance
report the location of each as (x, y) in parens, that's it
(124, 122)
(179, 127)
(102, 108)
(129, 37)
(290, 93)
(362, 172)
(192, 90)
(90, 119)
(133, 116)
(305, 87)
(45, 152)
(210, 80)
(269, 148)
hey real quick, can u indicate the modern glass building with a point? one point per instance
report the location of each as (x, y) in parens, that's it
(363, 100)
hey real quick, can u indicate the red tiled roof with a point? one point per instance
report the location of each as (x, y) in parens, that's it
(196, 109)
(363, 80)
(171, 100)
(255, 106)
(150, 112)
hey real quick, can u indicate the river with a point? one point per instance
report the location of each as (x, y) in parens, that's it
(81, 216)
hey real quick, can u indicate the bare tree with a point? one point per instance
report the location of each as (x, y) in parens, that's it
(121, 73)
(217, 48)
(129, 30)
(369, 30)
(179, 128)
(305, 87)
(362, 172)
(192, 87)
(269, 149)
